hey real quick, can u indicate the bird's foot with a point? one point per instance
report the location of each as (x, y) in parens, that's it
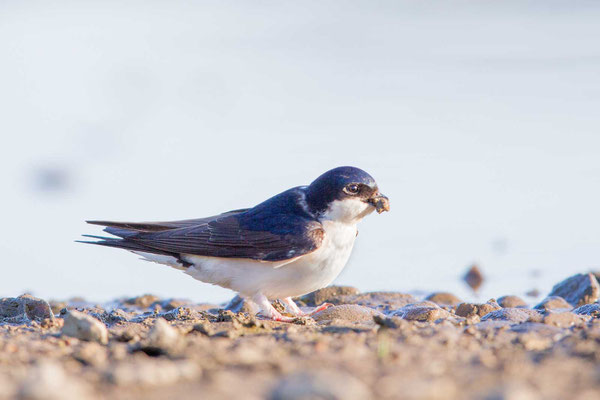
(320, 308)
(275, 316)
(295, 310)
(267, 311)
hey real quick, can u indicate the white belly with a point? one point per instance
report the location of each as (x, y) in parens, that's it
(280, 279)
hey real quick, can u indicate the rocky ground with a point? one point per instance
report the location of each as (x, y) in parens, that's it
(368, 345)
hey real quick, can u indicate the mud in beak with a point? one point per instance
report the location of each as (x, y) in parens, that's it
(380, 202)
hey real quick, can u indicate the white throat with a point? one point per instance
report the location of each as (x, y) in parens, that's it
(347, 211)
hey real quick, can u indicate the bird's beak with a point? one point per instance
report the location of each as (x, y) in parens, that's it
(380, 202)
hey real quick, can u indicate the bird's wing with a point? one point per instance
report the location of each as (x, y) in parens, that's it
(159, 226)
(277, 238)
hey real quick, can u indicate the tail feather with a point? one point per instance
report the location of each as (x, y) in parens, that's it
(120, 244)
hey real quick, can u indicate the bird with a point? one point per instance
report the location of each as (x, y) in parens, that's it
(292, 244)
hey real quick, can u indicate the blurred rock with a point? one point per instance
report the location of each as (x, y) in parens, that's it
(474, 278)
(553, 303)
(468, 310)
(565, 319)
(91, 353)
(84, 327)
(578, 289)
(143, 301)
(532, 293)
(511, 302)
(513, 315)
(424, 311)
(444, 298)
(347, 312)
(24, 308)
(49, 381)
(162, 339)
(381, 301)
(329, 294)
(152, 372)
(320, 385)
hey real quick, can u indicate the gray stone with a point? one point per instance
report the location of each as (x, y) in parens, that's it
(425, 311)
(514, 315)
(578, 289)
(180, 314)
(329, 294)
(239, 304)
(553, 303)
(320, 385)
(25, 308)
(469, 310)
(444, 298)
(347, 312)
(511, 302)
(84, 327)
(592, 310)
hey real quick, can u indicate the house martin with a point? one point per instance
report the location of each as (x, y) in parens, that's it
(289, 245)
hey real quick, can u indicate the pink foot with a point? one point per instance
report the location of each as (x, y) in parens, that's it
(320, 308)
(268, 311)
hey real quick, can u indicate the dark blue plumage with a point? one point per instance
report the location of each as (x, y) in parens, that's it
(282, 227)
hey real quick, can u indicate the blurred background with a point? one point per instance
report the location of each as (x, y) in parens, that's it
(480, 121)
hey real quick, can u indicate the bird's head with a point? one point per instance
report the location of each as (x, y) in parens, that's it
(345, 194)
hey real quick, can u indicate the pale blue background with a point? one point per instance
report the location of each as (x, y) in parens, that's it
(480, 120)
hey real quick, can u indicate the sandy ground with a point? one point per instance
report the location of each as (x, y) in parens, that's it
(368, 345)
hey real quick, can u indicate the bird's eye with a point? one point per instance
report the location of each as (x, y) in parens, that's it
(351, 188)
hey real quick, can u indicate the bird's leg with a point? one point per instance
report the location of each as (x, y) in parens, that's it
(295, 310)
(293, 307)
(268, 311)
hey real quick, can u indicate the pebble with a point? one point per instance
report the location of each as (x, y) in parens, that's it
(84, 327)
(162, 339)
(513, 315)
(578, 289)
(25, 308)
(444, 298)
(553, 303)
(179, 314)
(511, 302)
(329, 294)
(425, 311)
(325, 384)
(347, 312)
(468, 310)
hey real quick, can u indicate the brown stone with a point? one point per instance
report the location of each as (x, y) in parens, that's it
(443, 298)
(471, 309)
(578, 289)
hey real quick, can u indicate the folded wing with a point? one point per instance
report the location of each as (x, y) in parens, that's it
(231, 235)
